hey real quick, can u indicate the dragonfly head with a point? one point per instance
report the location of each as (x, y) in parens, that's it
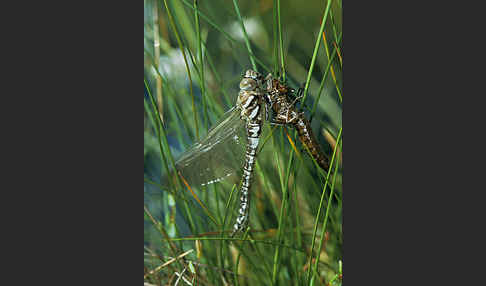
(248, 84)
(252, 74)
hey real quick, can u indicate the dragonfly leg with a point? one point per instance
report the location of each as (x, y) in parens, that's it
(267, 104)
(298, 98)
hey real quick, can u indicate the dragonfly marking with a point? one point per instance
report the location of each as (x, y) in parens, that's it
(250, 98)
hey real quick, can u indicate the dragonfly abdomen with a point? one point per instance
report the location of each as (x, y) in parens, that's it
(249, 102)
(250, 157)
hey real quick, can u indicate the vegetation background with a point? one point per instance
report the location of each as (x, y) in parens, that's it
(195, 53)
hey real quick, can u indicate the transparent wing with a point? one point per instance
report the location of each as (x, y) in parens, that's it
(218, 156)
(217, 162)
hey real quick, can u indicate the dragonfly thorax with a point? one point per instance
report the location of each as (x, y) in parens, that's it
(250, 96)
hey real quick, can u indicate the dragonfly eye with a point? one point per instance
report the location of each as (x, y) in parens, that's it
(248, 84)
(252, 74)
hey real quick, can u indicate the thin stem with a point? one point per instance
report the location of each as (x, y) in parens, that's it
(320, 207)
(316, 48)
(280, 41)
(245, 36)
(181, 47)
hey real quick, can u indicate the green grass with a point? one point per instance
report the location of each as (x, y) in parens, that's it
(194, 56)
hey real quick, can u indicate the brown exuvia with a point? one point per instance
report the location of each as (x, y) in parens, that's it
(285, 113)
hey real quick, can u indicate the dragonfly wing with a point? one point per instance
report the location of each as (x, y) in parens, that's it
(218, 156)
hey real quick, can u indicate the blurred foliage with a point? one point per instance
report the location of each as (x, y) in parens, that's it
(192, 66)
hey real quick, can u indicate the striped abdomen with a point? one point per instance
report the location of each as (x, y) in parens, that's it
(250, 157)
(249, 102)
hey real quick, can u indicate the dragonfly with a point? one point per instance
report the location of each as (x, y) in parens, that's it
(228, 152)
(250, 101)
